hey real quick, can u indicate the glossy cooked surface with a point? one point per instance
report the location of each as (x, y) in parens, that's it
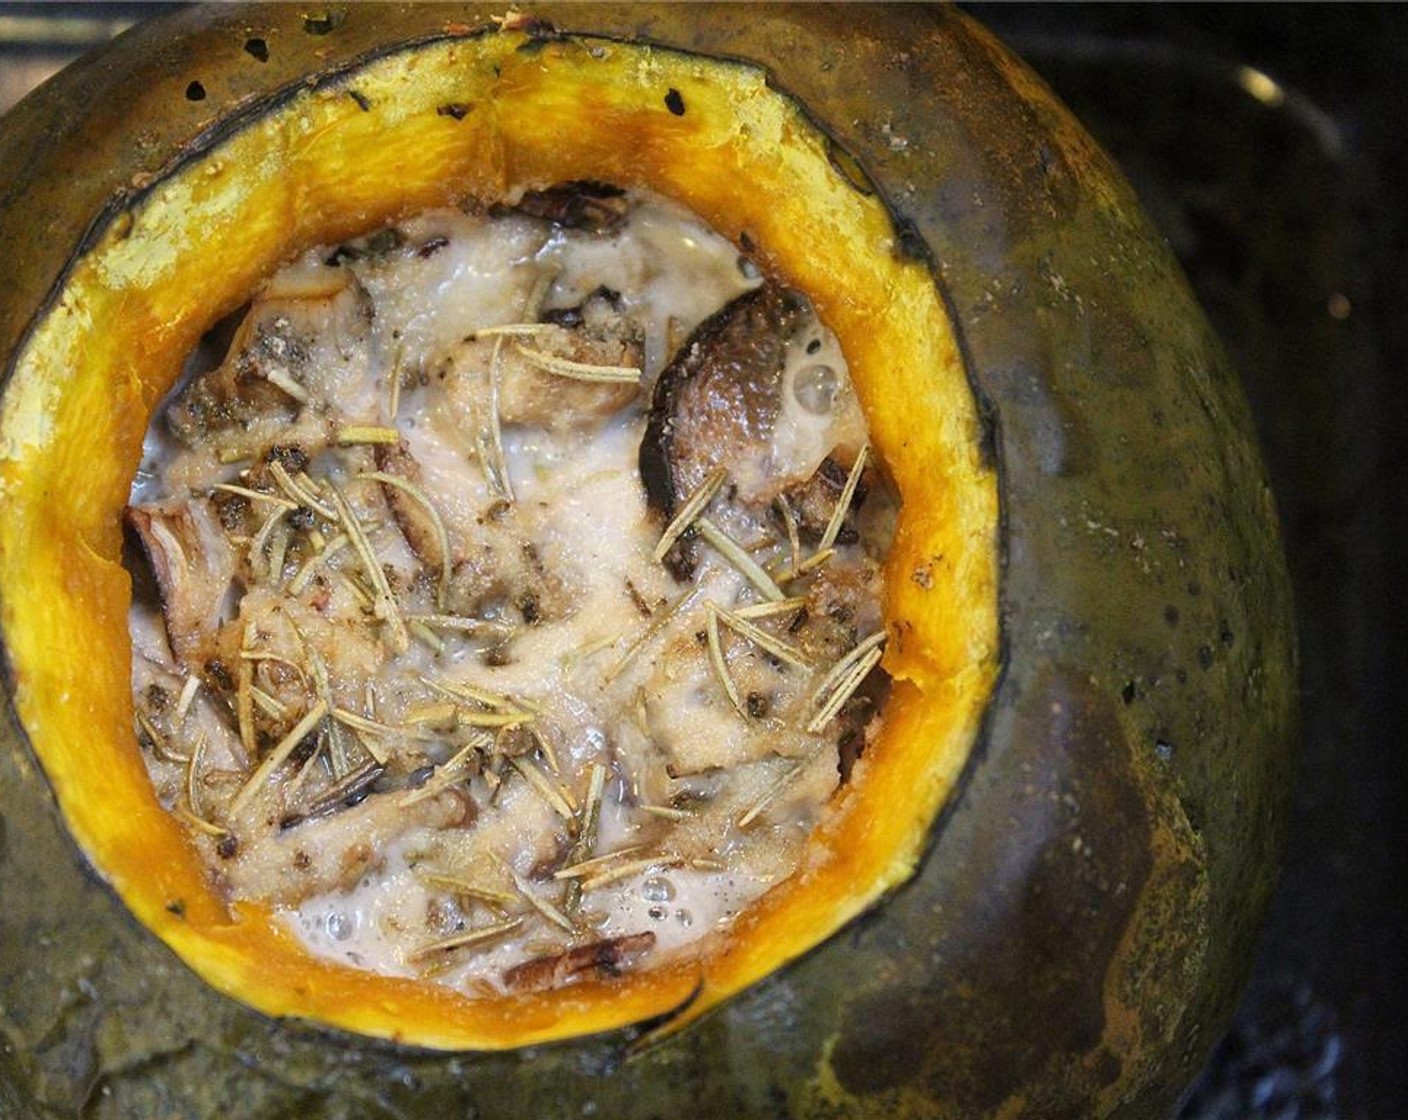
(412, 670)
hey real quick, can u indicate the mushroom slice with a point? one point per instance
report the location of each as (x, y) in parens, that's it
(303, 343)
(556, 378)
(760, 389)
(813, 501)
(581, 205)
(194, 565)
(599, 960)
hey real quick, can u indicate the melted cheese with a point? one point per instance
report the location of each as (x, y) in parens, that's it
(552, 602)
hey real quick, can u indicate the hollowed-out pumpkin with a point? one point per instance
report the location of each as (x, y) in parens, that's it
(1039, 896)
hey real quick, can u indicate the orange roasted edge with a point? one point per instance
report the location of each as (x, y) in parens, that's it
(311, 166)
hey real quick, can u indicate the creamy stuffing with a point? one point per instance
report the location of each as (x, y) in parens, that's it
(507, 592)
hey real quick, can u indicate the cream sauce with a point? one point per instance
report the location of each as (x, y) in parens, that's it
(554, 615)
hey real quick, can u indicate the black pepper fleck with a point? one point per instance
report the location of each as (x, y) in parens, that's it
(529, 607)
(291, 457)
(497, 657)
(674, 102)
(231, 509)
(218, 675)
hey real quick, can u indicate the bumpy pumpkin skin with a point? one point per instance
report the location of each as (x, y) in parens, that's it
(1084, 914)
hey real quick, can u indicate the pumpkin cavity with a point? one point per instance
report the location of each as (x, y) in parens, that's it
(517, 574)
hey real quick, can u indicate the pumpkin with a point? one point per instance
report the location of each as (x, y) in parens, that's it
(1039, 896)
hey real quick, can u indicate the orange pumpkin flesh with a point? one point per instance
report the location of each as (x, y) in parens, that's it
(481, 115)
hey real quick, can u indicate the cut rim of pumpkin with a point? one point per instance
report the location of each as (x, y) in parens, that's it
(433, 122)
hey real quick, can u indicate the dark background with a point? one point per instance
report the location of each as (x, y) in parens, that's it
(1269, 144)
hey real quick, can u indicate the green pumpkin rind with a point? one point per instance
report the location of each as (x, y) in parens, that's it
(1085, 913)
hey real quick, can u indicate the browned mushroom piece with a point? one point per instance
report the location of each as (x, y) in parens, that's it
(813, 501)
(582, 204)
(716, 402)
(557, 379)
(282, 359)
(596, 961)
(743, 393)
(195, 567)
